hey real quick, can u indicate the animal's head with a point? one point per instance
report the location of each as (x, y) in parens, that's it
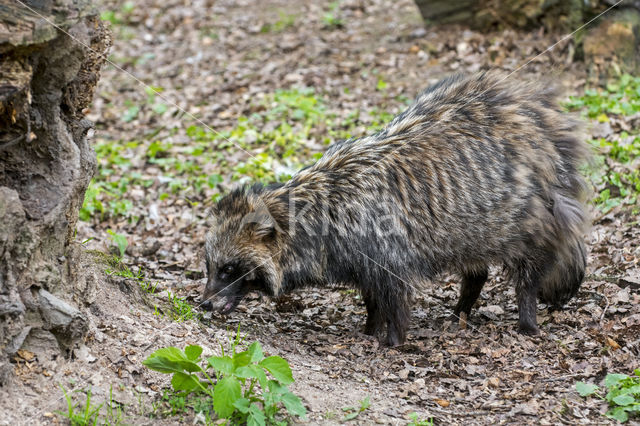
(243, 247)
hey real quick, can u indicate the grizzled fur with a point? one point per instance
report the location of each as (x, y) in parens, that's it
(479, 170)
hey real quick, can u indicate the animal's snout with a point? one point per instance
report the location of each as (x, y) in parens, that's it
(206, 305)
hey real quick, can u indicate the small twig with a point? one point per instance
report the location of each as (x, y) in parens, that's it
(605, 308)
(560, 378)
(464, 413)
(598, 218)
(608, 278)
(12, 142)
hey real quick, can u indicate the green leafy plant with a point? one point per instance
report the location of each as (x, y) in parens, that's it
(119, 240)
(353, 412)
(615, 174)
(620, 97)
(382, 85)
(237, 378)
(156, 105)
(623, 394)
(92, 202)
(119, 17)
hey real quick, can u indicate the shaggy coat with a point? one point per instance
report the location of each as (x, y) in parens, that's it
(479, 170)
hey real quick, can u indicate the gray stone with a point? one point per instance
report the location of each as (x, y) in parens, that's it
(18, 341)
(56, 312)
(42, 343)
(10, 306)
(65, 321)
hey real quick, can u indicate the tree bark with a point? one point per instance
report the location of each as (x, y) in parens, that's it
(47, 79)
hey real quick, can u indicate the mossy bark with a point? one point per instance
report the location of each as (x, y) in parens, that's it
(46, 81)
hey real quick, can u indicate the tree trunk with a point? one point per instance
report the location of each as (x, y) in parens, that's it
(613, 45)
(610, 45)
(484, 15)
(46, 81)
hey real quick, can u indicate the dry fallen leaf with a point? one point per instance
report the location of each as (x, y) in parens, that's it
(614, 345)
(443, 402)
(229, 75)
(494, 382)
(26, 355)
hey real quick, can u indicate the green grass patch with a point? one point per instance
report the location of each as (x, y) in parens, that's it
(85, 414)
(415, 420)
(332, 19)
(181, 310)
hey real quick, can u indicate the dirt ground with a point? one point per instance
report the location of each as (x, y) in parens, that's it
(213, 60)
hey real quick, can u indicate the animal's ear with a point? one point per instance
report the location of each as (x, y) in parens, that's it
(261, 223)
(261, 226)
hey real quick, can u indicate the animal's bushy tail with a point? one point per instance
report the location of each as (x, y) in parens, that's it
(564, 276)
(563, 279)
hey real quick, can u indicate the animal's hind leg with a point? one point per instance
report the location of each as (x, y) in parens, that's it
(390, 305)
(398, 316)
(472, 283)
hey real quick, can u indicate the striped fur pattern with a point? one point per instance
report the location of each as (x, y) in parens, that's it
(479, 170)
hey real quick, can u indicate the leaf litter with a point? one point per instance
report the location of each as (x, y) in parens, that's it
(279, 81)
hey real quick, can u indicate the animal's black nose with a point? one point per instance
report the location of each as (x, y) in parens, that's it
(206, 305)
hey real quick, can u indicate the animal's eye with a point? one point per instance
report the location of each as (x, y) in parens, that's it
(227, 270)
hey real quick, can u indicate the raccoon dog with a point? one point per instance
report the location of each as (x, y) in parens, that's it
(479, 170)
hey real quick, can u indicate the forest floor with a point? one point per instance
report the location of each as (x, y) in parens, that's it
(281, 80)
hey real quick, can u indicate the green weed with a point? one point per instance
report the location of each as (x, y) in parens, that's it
(89, 414)
(623, 394)
(78, 415)
(119, 240)
(621, 97)
(331, 18)
(416, 421)
(353, 412)
(121, 16)
(284, 22)
(615, 174)
(181, 310)
(240, 390)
